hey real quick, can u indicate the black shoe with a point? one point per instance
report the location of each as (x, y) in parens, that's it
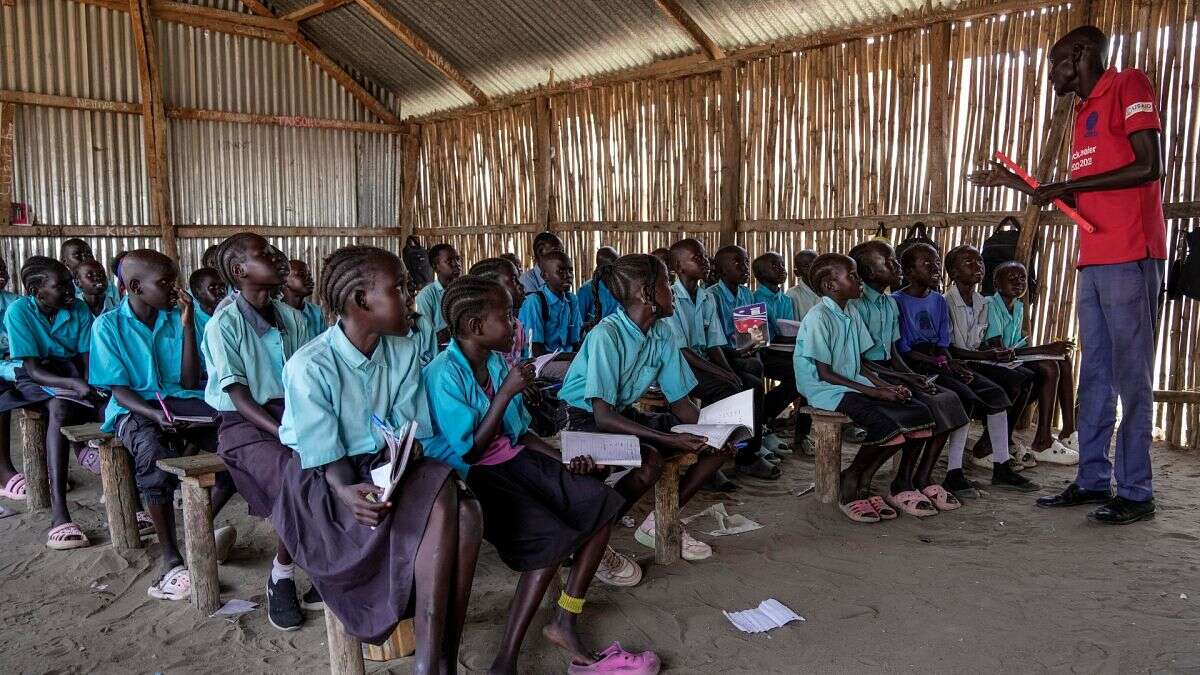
(719, 482)
(312, 601)
(1122, 511)
(958, 485)
(1074, 496)
(1005, 478)
(283, 609)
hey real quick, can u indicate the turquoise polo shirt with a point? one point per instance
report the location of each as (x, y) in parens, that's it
(837, 338)
(881, 315)
(240, 347)
(332, 390)
(803, 299)
(1005, 324)
(587, 300)
(618, 363)
(425, 337)
(726, 302)
(315, 318)
(457, 405)
(779, 306)
(695, 322)
(8, 366)
(127, 353)
(31, 335)
(561, 327)
(429, 303)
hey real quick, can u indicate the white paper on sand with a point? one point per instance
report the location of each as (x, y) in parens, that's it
(541, 361)
(604, 449)
(4, 513)
(236, 607)
(769, 614)
(729, 420)
(726, 524)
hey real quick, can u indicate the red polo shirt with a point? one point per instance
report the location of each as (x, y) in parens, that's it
(1129, 222)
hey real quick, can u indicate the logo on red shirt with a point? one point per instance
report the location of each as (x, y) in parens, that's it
(1091, 125)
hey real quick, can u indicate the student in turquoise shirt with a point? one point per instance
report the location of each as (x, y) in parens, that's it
(595, 300)
(145, 352)
(12, 482)
(447, 266)
(92, 283)
(359, 369)
(242, 346)
(733, 272)
(771, 273)
(298, 286)
(621, 358)
(208, 290)
(551, 315)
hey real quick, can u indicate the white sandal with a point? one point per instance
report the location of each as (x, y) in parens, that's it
(1057, 453)
(174, 585)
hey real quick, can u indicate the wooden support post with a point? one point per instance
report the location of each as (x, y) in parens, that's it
(827, 442)
(345, 653)
(939, 96)
(410, 155)
(201, 545)
(401, 643)
(731, 156)
(7, 136)
(32, 430)
(154, 125)
(120, 496)
(541, 161)
(668, 532)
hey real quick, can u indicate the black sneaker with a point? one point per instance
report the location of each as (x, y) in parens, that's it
(283, 609)
(1122, 511)
(1005, 478)
(958, 485)
(312, 601)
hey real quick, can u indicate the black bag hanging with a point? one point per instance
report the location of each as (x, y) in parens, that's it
(1001, 247)
(416, 259)
(918, 233)
(1184, 277)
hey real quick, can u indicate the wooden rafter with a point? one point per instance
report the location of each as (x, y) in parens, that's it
(680, 16)
(154, 124)
(233, 23)
(315, 9)
(7, 130)
(422, 48)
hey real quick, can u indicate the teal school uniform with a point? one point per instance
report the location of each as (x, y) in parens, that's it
(695, 322)
(240, 347)
(315, 319)
(881, 315)
(1005, 324)
(618, 363)
(803, 299)
(837, 338)
(332, 390)
(726, 302)
(8, 366)
(429, 303)
(587, 300)
(779, 306)
(561, 325)
(425, 337)
(127, 353)
(31, 335)
(457, 404)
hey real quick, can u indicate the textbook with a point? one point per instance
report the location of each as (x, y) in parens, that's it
(785, 338)
(730, 420)
(541, 361)
(750, 325)
(604, 449)
(67, 396)
(1018, 360)
(400, 450)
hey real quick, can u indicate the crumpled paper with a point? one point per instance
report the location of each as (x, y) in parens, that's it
(726, 524)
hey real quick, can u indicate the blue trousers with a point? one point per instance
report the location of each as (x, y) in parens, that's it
(1118, 313)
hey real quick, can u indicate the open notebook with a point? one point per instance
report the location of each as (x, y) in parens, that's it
(730, 420)
(604, 449)
(400, 450)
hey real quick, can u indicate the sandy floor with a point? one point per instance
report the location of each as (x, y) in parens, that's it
(997, 586)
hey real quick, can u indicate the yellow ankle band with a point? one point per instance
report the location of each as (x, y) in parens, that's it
(572, 605)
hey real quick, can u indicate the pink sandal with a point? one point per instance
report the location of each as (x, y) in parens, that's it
(942, 500)
(884, 511)
(66, 537)
(911, 502)
(860, 511)
(15, 489)
(89, 458)
(617, 660)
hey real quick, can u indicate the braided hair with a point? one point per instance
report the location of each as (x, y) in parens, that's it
(493, 267)
(350, 269)
(823, 268)
(231, 252)
(469, 297)
(630, 276)
(37, 269)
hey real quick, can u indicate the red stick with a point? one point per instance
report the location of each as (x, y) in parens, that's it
(1033, 183)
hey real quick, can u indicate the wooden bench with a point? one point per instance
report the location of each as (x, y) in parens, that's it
(668, 532)
(31, 429)
(197, 473)
(827, 446)
(116, 477)
(346, 653)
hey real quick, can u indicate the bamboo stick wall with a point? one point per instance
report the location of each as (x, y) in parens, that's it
(830, 141)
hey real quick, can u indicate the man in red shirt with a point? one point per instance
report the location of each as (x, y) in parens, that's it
(1116, 167)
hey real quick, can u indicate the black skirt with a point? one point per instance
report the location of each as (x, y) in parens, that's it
(884, 420)
(944, 406)
(256, 459)
(13, 397)
(535, 512)
(32, 393)
(365, 576)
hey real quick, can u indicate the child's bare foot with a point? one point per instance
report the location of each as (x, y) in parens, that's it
(564, 636)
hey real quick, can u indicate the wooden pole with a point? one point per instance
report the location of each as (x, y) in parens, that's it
(731, 157)
(939, 77)
(673, 9)
(154, 125)
(31, 426)
(201, 544)
(345, 653)
(541, 161)
(120, 495)
(7, 137)
(410, 153)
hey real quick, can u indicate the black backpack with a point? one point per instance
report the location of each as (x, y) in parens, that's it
(416, 259)
(1184, 278)
(918, 233)
(1001, 247)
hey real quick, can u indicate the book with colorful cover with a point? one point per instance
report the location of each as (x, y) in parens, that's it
(750, 325)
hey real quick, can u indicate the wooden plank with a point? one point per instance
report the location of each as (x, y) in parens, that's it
(7, 138)
(422, 49)
(201, 546)
(685, 21)
(200, 464)
(291, 121)
(541, 161)
(154, 125)
(120, 496)
(731, 157)
(194, 231)
(82, 433)
(315, 9)
(939, 104)
(410, 154)
(1177, 396)
(226, 22)
(175, 11)
(68, 102)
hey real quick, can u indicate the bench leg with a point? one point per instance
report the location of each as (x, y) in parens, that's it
(345, 653)
(120, 503)
(401, 643)
(201, 546)
(827, 473)
(668, 537)
(32, 431)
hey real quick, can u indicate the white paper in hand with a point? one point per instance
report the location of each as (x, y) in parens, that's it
(541, 361)
(604, 449)
(736, 409)
(769, 614)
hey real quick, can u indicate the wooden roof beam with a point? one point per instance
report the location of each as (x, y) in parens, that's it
(315, 9)
(680, 16)
(422, 49)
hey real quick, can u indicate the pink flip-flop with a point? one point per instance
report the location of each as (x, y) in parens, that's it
(942, 500)
(15, 489)
(617, 660)
(910, 502)
(66, 537)
(884, 511)
(89, 458)
(860, 511)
